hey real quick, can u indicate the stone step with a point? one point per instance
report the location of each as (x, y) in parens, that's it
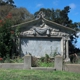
(43, 68)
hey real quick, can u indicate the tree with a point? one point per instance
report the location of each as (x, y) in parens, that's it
(10, 15)
(7, 2)
(5, 7)
(6, 37)
(20, 15)
(4, 11)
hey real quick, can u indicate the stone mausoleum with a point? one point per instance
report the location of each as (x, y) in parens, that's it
(41, 36)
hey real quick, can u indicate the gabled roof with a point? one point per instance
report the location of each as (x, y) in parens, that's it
(41, 16)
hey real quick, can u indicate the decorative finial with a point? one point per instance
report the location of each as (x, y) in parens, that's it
(41, 14)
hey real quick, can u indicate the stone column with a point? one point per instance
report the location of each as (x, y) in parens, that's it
(19, 45)
(27, 62)
(67, 51)
(62, 47)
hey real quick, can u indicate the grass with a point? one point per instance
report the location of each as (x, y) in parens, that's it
(8, 74)
(16, 60)
(44, 64)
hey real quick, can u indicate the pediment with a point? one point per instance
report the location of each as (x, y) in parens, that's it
(43, 27)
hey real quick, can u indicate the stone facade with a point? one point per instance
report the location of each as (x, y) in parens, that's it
(40, 46)
(41, 36)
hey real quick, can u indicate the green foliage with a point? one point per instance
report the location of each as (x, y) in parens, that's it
(44, 64)
(19, 15)
(17, 60)
(6, 39)
(43, 61)
(59, 16)
(7, 2)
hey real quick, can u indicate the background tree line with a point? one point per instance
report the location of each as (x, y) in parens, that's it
(18, 15)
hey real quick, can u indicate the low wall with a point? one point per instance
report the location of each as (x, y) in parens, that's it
(72, 67)
(28, 63)
(12, 65)
(43, 68)
(25, 65)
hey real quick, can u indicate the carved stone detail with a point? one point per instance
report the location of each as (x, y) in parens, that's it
(43, 24)
(40, 15)
(45, 30)
(55, 32)
(42, 30)
(30, 32)
(64, 46)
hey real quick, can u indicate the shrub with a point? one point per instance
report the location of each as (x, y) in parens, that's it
(46, 58)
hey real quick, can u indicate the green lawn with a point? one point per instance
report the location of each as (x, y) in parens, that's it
(6, 74)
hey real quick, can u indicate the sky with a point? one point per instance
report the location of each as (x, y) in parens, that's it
(34, 5)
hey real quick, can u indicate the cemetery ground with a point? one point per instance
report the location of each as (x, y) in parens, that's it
(16, 74)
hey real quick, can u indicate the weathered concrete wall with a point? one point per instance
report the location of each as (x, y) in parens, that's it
(43, 68)
(11, 65)
(72, 67)
(38, 47)
(27, 65)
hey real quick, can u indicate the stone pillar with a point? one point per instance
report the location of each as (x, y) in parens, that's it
(19, 44)
(67, 51)
(62, 47)
(58, 62)
(27, 62)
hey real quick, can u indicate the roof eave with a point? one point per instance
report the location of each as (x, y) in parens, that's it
(60, 25)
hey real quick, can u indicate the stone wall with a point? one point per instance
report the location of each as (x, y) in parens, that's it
(38, 47)
(27, 65)
(72, 67)
(11, 65)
